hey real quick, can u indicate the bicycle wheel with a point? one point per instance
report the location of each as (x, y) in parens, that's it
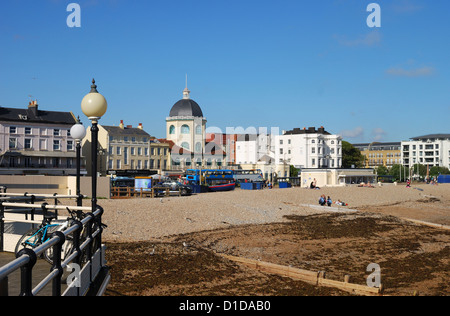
(29, 240)
(66, 251)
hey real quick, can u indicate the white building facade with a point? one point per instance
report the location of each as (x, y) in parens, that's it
(309, 149)
(431, 150)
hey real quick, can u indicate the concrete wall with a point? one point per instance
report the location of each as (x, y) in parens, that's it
(50, 185)
(336, 177)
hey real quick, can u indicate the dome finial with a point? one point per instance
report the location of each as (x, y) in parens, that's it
(186, 91)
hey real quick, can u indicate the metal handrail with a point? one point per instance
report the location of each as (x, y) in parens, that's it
(27, 257)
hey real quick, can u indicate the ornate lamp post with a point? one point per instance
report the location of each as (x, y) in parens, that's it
(94, 106)
(78, 133)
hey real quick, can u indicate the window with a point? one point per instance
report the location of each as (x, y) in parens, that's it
(27, 143)
(133, 139)
(27, 130)
(185, 129)
(111, 150)
(313, 150)
(118, 164)
(13, 143)
(125, 138)
(12, 130)
(56, 145)
(139, 151)
(125, 155)
(118, 150)
(185, 145)
(281, 142)
(133, 151)
(281, 151)
(56, 132)
(146, 152)
(70, 145)
(172, 130)
(198, 130)
(313, 162)
(198, 147)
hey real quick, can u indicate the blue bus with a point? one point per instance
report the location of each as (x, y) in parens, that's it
(215, 180)
(254, 175)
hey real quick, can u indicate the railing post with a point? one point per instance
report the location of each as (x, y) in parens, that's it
(57, 249)
(2, 227)
(26, 272)
(4, 287)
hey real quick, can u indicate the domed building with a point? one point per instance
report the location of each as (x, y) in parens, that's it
(186, 127)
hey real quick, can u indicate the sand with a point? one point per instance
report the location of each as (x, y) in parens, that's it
(146, 219)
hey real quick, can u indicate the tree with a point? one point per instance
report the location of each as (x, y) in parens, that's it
(436, 171)
(382, 171)
(293, 171)
(351, 156)
(399, 172)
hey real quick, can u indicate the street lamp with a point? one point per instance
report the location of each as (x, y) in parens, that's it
(78, 132)
(94, 106)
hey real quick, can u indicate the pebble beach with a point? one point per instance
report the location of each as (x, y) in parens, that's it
(144, 219)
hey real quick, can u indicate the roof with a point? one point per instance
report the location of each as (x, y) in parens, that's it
(33, 115)
(311, 130)
(432, 136)
(186, 107)
(116, 130)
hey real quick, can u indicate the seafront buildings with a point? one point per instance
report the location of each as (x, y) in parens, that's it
(431, 150)
(36, 142)
(380, 153)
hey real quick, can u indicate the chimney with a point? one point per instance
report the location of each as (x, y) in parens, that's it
(33, 107)
(140, 126)
(129, 126)
(121, 125)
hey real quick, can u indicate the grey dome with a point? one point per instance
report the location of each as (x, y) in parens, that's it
(186, 107)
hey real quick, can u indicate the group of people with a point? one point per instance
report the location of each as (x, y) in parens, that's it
(326, 200)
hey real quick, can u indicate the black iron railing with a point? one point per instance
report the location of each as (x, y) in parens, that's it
(87, 252)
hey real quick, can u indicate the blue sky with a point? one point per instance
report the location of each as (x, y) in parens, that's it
(258, 63)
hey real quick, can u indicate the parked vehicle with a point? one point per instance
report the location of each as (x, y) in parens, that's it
(177, 187)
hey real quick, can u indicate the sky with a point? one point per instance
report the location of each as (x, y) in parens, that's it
(275, 64)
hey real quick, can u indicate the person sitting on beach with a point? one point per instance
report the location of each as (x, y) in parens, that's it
(322, 200)
(329, 201)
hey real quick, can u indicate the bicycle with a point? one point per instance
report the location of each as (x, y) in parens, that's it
(34, 238)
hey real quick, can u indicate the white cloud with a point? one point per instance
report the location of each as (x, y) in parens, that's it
(371, 39)
(412, 73)
(378, 134)
(357, 132)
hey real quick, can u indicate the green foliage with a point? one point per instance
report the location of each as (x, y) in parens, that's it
(382, 171)
(293, 171)
(351, 156)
